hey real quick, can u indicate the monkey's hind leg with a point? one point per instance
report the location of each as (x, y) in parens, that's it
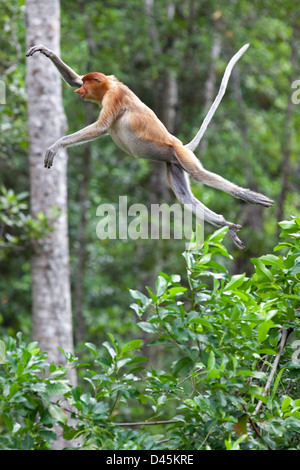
(179, 183)
(193, 166)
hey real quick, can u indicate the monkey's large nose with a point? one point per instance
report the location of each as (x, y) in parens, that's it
(78, 90)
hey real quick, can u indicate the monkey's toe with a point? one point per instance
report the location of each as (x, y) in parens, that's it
(49, 157)
(266, 202)
(253, 197)
(236, 240)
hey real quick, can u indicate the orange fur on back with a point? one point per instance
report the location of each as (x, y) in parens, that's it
(149, 127)
(141, 119)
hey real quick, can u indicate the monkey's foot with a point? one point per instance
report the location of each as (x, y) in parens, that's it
(233, 228)
(49, 157)
(253, 197)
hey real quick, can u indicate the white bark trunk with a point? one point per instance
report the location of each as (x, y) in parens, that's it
(52, 317)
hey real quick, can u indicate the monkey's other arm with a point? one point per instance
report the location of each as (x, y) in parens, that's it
(71, 77)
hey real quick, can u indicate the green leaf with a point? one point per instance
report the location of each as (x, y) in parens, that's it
(201, 321)
(8, 422)
(218, 235)
(213, 374)
(277, 381)
(49, 436)
(285, 404)
(134, 344)
(161, 286)
(32, 348)
(235, 282)
(191, 403)
(270, 352)
(92, 348)
(58, 414)
(57, 388)
(252, 373)
(183, 366)
(138, 360)
(76, 392)
(173, 291)
(138, 310)
(27, 443)
(122, 362)
(13, 389)
(211, 361)
(110, 349)
(282, 245)
(148, 327)
(261, 398)
(287, 224)
(272, 260)
(2, 352)
(263, 330)
(114, 342)
(261, 269)
(295, 269)
(137, 295)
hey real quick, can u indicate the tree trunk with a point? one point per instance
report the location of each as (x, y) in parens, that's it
(52, 316)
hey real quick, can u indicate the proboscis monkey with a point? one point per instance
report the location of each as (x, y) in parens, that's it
(137, 130)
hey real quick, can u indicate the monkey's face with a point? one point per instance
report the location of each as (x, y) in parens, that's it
(87, 91)
(94, 87)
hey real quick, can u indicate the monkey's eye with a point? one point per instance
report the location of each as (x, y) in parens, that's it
(96, 79)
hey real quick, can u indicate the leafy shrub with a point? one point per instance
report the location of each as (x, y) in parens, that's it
(18, 229)
(228, 351)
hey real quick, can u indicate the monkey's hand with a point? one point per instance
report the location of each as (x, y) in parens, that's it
(49, 157)
(40, 48)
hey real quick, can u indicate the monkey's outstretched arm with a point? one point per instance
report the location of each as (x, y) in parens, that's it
(91, 132)
(71, 77)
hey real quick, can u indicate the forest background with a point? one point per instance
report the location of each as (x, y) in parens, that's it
(172, 54)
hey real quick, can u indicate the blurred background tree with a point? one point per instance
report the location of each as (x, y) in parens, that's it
(172, 54)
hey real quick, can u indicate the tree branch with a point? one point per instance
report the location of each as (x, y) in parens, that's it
(147, 423)
(274, 367)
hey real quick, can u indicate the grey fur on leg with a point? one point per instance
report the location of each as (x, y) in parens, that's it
(179, 183)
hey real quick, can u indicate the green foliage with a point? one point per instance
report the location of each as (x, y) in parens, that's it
(210, 340)
(218, 341)
(18, 229)
(239, 143)
(20, 234)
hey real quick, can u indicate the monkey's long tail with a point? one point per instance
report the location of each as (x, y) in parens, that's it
(179, 182)
(196, 140)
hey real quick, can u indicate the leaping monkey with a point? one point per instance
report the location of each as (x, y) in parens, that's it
(137, 130)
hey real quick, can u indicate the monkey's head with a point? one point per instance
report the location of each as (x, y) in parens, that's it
(94, 87)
